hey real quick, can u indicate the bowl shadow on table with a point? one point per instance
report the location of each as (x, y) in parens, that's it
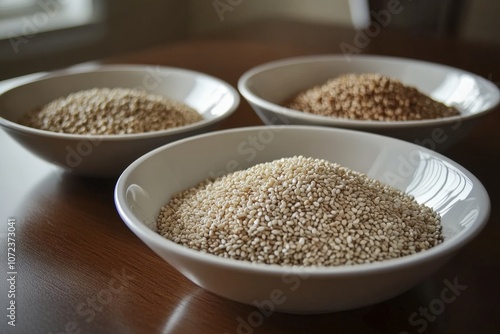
(192, 314)
(67, 209)
(62, 197)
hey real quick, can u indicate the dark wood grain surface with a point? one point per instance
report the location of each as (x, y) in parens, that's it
(80, 269)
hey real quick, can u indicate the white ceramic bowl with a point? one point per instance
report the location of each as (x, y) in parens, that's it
(109, 155)
(148, 183)
(267, 86)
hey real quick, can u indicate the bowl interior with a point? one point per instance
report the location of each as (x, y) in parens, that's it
(210, 96)
(434, 180)
(469, 93)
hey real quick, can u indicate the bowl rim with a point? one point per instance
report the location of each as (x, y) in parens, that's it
(16, 127)
(444, 249)
(279, 110)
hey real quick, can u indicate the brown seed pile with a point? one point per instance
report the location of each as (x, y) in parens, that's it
(104, 111)
(369, 97)
(299, 211)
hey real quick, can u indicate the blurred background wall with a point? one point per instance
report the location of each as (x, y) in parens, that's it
(37, 35)
(212, 16)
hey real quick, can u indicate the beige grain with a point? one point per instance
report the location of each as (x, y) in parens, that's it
(299, 211)
(104, 111)
(369, 97)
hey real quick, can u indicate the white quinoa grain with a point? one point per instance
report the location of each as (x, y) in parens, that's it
(239, 216)
(104, 111)
(369, 97)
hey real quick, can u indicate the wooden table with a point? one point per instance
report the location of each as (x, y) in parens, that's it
(80, 269)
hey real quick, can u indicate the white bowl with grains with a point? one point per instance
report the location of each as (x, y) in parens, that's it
(276, 218)
(430, 104)
(96, 121)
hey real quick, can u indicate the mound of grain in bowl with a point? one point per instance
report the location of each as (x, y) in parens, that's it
(105, 111)
(299, 211)
(369, 97)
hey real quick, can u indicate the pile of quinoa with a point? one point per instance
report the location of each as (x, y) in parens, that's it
(105, 111)
(299, 211)
(369, 97)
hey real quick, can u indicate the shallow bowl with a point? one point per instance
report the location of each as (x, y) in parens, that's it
(109, 155)
(266, 87)
(148, 183)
